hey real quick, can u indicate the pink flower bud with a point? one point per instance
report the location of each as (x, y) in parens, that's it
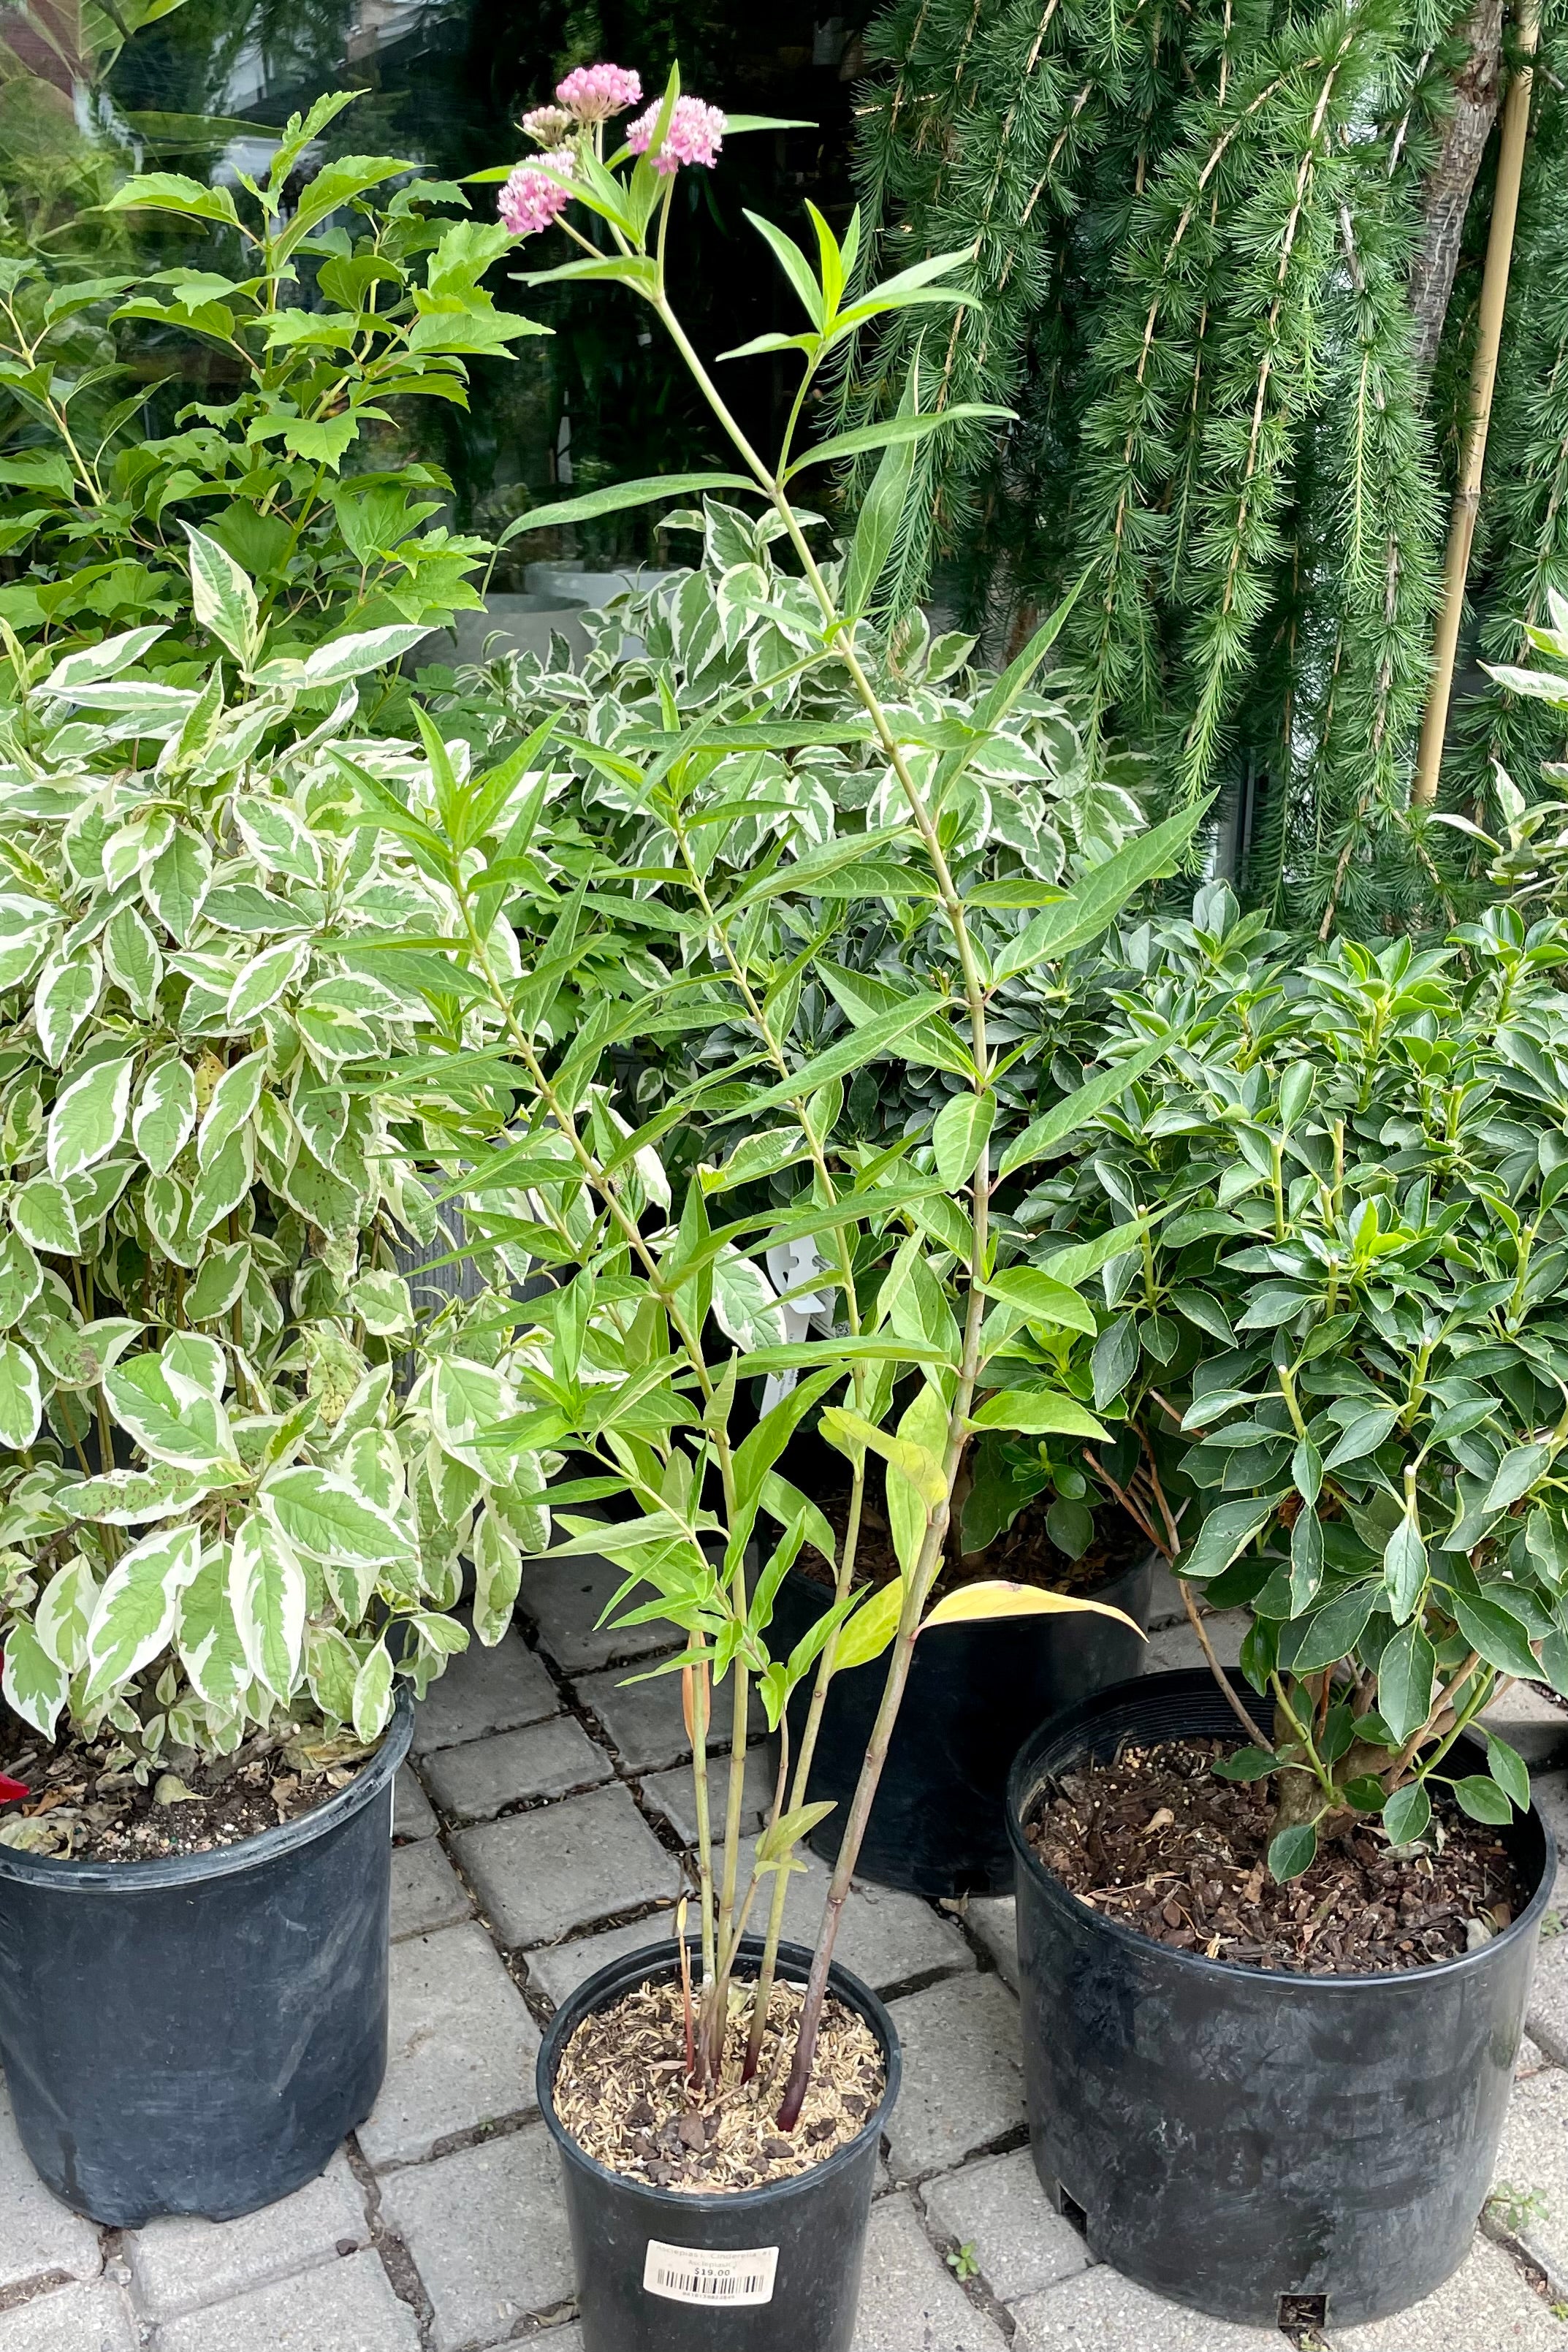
(596, 92)
(695, 135)
(548, 124)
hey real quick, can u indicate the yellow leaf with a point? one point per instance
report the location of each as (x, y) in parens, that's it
(997, 1598)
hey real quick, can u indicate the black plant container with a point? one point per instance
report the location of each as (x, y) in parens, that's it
(1235, 2137)
(939, 1824)
(807, 2235)
(195, 2035)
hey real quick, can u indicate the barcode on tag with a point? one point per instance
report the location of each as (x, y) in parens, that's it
(692, 2275)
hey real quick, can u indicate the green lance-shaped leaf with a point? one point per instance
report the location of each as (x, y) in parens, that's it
(1042, 1412)
(924, 1425)
(1405, 1673)
(1404, 1569)
(870, 1629)
(1094, 906)
(21, 1403)
(1053, 1128)
(1406, 1813)
(137, 1607)
(877, 527)
(266, 1594)
(617, 499)
(89, 1117)
(850, 1433)
(960, 1134)
(1038, 1297)
(1225, 1535)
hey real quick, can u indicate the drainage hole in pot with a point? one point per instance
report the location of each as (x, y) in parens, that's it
(1071, 2210)
(1300, 2313)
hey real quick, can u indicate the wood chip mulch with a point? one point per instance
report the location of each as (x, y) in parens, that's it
(1155, 1841)
(623, 2094)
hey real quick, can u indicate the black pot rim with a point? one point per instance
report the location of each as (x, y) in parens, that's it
(657, 1959)
(252, 1853)
(1023, 1784)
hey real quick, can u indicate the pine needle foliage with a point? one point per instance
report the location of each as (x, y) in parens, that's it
(1193, 232)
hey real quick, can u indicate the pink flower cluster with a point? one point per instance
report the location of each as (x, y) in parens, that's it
(596, 92)
(695, 135)
(530, 200)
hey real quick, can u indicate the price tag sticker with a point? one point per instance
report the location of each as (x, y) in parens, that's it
(723, 2280)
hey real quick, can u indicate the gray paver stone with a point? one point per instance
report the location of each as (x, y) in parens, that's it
(1486, 2307)
(1550, 1790)
(474, 1782)
(1529, 2187)
(675, 1798)
(910, 2300)
(1531, 2059)
(997, 2206)
(37, 2233)
(462, 2046)
(484, 1691)
(427, 1892)
(1165, 1604)
(539, 1875)
(884, 1936)
(1175, 1646)
(564, 1599)
(993, 1921)
(72, 2319)
(1548, 2015)
(181, 2262)
(1531, 1719)
(411, 1813)
(347, 2306)
(963, 2075)
(558, 1970)
(643, 1719)
(486, 2228)
(1100, 2311)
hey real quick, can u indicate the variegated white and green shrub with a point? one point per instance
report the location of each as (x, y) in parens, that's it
(219, 1504)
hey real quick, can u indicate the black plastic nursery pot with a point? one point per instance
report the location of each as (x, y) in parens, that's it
(1235, 2137)
(938, 1826)
(775, 2269)
(196, 2034)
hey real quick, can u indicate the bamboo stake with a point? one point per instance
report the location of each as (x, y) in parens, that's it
(1483, 378)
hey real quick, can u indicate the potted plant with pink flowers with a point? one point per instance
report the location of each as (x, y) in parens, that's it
(718, 2102)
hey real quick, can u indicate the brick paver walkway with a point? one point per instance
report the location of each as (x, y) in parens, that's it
(539, 1830)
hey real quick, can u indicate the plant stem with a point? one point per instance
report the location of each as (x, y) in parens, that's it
(1483, 379)
(930, 1562)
